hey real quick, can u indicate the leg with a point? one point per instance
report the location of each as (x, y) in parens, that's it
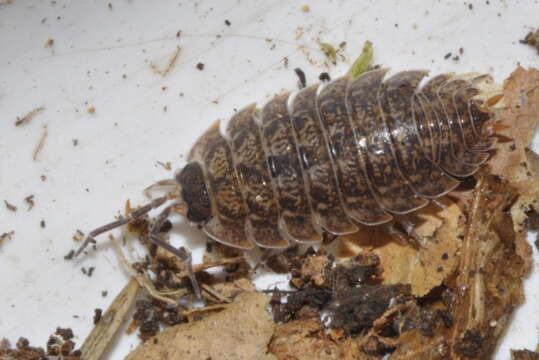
(404, 232)
(182, 253)
(409, 228)
(133, 216)
(439, 204)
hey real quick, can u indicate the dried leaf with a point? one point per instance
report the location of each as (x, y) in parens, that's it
(242, 331)
(518, 115)
(423, 268)
(307, 339)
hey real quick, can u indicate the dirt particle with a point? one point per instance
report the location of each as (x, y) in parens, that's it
(91, 109)
(200, 66)
(42, 224)
(104, 293)
(69, 255)
(228, 23)
(9, 206)
(447, 56)
(305, 8)
(532, 39)
(30, 201)
(166, 165)
(470, 344)
(324, 77)
(49, 43)
(98, 313)
(78, 236)
(524, 355)
(6, 236)
(88, 272)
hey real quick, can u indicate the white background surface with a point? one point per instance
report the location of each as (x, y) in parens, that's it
(118, 146)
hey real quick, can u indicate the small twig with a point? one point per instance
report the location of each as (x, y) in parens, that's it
(40, 143)
(216, 294)
(10, 207)
(103, 333)
(209, 265)
(170, 65)
(143, 280)
(28, 117)
(205, 308)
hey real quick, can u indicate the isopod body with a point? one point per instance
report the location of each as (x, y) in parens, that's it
(334, 155)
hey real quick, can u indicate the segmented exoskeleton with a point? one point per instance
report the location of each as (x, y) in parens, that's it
(356, 150)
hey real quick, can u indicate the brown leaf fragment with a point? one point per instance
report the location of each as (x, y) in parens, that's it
(425, 267)
(242, 331)
(517, 116)
(307, 339)
(524, 355)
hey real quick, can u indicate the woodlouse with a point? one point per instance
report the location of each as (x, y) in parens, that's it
(356, 150)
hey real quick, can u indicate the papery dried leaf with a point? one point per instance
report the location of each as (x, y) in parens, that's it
(308, 340)
(423, 268)
(241, 331)
(487, 288)
(517, 118)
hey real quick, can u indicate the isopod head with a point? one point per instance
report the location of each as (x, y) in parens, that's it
(194, 192)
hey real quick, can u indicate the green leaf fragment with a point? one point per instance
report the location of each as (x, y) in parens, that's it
(329, 51)
(363, 62)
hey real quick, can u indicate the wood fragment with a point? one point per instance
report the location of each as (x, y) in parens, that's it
(142, 279)
(41, 142)
(104, 332)
(28, 117)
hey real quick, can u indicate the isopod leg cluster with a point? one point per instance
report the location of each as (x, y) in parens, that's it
(353, 151)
